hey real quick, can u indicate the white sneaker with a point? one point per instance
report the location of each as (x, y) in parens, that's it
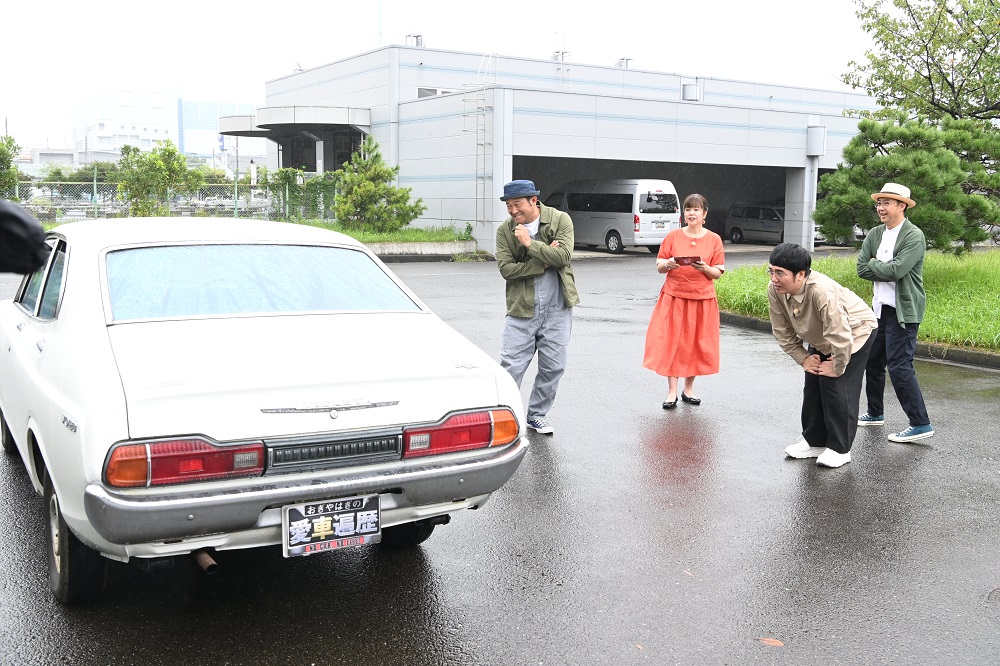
(830, 458)
(801, 449)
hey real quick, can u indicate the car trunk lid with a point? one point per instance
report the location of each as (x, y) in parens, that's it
(259, 377)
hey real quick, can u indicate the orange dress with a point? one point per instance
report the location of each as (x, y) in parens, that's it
(682, 339)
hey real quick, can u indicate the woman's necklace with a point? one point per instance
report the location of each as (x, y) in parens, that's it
(694, 240)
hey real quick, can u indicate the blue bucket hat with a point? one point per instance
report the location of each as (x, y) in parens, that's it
(517, 189)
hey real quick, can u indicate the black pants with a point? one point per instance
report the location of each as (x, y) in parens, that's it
(830, 404)
(894, 347)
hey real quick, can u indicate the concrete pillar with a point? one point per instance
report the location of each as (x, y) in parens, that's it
(800, 188)
(798, 211)
(319, 157)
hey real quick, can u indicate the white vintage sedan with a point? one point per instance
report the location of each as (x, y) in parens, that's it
(180, 386)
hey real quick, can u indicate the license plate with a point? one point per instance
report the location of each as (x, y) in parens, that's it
(658, 225)
(317, 527)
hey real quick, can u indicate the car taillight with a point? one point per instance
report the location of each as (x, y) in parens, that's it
(636, 223)
(462, 432)
(181, 461)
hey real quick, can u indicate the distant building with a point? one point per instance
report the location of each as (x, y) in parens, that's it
(110, 120)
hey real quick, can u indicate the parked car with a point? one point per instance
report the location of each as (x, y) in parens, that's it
(179, 386)
(765, 223)
(857, 232)
(755, 222)
(620, 212)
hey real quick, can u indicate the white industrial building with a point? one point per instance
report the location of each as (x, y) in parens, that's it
(460, 125)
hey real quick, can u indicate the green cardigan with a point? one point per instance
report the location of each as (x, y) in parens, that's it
(519, 265)
(906, 269)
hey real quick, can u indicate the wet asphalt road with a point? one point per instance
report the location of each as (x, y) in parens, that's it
(631, 536)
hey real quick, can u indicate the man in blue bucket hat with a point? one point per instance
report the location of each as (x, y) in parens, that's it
(534, 249)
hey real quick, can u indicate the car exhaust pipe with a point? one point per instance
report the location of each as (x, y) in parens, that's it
(205, 561)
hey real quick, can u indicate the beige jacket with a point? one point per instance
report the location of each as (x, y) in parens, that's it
(824, 314)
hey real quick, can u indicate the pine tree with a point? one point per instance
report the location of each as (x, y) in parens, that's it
(950, 168)
(366, 197)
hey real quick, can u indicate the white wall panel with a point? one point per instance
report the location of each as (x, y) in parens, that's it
(705, 153)
(776, 157)
(631, 149)
(548, 144)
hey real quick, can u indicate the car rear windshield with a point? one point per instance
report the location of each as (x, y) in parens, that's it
(658, 202)
(211, 280)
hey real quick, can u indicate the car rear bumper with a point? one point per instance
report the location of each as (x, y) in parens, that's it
(122, 518)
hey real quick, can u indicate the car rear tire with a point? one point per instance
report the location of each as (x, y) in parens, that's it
(76, 571)
(653, 248)
(406, 535)
(614, 242)
(736, 235)
(6, 438)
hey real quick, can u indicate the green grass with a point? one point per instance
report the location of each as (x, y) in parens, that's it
(963, 295)
(404, 235)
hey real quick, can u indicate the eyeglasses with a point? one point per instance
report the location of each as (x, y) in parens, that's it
(776, 272)
(882, 203)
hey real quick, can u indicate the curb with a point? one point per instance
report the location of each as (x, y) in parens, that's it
(435, 249)
(925, 350)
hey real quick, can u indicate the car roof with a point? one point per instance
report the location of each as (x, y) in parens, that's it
(141, 230)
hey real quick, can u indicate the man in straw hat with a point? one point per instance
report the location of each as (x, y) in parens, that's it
(892, 257)
(534, 249)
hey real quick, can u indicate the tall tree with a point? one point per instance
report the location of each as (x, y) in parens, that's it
(8, 172)
(932, 58)
(106, 173)
(366, 197)
(147, 180)
(943, 164)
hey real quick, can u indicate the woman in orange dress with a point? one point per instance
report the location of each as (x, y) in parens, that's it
(683, 335)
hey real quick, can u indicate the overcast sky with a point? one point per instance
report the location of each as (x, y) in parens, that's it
(59, 52)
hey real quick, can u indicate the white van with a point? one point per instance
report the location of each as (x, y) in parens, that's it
(616, 213)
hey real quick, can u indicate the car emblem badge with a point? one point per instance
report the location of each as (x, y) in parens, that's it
(334, 413)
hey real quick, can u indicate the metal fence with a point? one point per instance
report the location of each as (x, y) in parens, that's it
(63, 202)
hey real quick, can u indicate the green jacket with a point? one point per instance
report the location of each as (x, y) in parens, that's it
(906, 269)
(519, 265)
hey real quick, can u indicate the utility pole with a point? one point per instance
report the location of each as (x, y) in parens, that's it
(236, 181)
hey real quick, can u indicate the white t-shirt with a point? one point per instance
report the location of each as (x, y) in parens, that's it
(532, 227)
(884, 293)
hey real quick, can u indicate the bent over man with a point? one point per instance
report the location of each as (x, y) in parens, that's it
(828, 330)
(534, 249)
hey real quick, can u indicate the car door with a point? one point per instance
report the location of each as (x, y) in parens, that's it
(20, 352)
(751, 223)
(772, 226)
